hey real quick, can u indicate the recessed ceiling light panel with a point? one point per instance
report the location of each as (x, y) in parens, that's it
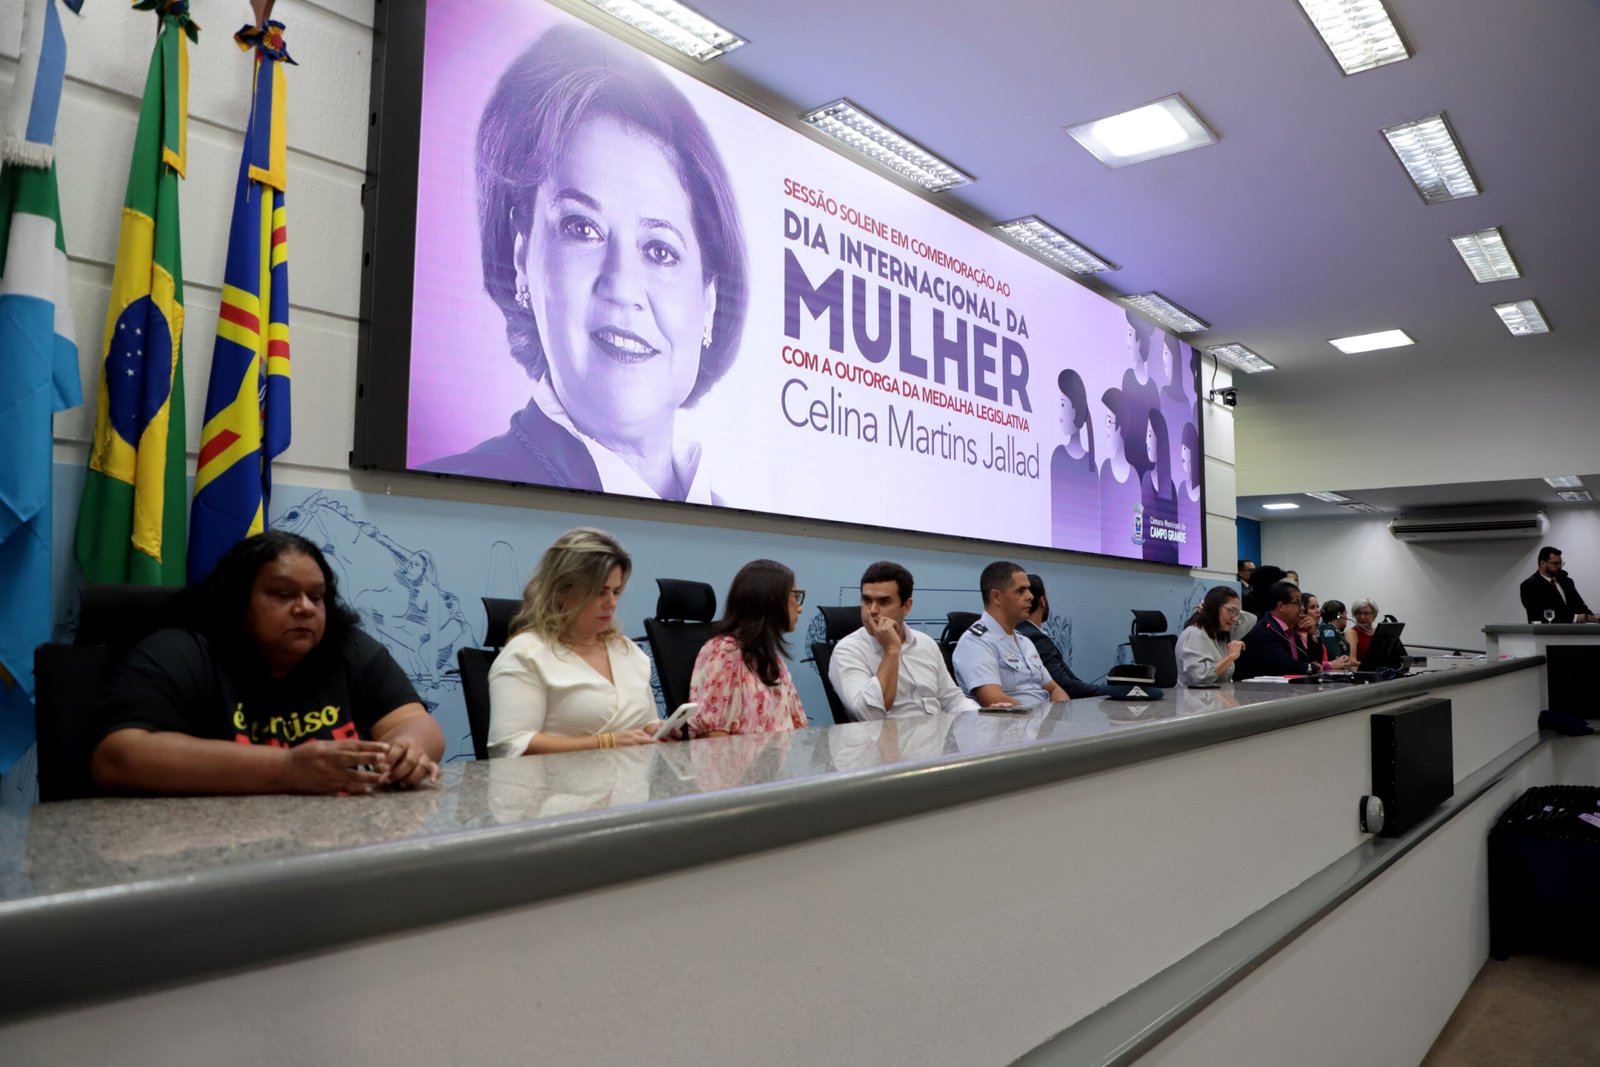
(1240, 358)
(1371, 342)
(1053, 246)
(1164, 312)
(675, 25)
(1280, 506)
(1359, 33)
(1486, 255)
(1564, 481)
(1366, 509)
(1523, 318)
(1427, 149)
(1576, 496)
(885, 146)
(1329, 498)
(1160, 128)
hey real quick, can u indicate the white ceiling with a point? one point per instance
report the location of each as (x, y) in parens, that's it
(1299, 224)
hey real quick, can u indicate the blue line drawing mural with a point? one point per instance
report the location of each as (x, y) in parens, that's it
(395, 589)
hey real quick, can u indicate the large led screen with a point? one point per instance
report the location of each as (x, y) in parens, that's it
(627, 282)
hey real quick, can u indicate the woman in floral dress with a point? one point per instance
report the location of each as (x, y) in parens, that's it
(740, 680)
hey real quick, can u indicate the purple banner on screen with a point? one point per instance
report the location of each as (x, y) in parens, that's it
(627, 282)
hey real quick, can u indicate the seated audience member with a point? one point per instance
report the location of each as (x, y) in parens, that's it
(1054, 662)
(568, 679)
(269, 687)
(1364, 613)
(886, 669)
(1273, 648)
(1332, 630)
(1306, 628)
(1293, 577)
(1246, 568)
(1550, 589)
(740, 680)
(997, 665)
(1207, 650)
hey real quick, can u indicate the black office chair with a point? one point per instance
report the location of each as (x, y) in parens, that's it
(474, 664)
(677, 631)
(837, 622)
(956, 623)
(67, 681)
(1153, 647)
(122, 615)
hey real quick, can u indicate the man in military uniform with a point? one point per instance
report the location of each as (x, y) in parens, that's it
(993, 662)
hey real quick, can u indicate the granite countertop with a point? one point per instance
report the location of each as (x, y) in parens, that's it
(1552, 629)
(136, 878)
(91, 844)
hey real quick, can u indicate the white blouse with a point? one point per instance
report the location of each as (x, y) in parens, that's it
(536, 687)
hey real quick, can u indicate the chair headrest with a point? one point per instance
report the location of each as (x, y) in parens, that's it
(839, 621)
(122, 615)
(957, 623)
(1149, 622)
(499, 611)
(686, 600)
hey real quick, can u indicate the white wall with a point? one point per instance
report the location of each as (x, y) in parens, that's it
(1371, 423)
(1445, 592)
(108, 53)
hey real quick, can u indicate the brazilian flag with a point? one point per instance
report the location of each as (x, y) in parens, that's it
(131, 518)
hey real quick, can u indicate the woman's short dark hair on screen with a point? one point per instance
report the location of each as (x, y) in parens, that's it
(216, 605)
(567, 77)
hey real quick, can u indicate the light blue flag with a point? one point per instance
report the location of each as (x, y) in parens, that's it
(38, 377)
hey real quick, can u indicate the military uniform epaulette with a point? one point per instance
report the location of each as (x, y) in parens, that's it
(978, 629)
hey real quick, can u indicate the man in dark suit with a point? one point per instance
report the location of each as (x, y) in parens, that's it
(1273, 647)
(1054, 662)
(1549, 589)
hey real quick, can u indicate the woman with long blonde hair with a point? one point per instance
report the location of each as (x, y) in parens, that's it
(568, 679)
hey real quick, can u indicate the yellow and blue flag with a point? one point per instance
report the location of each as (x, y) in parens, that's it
(131, 521)
(247, 401)
(38, 363)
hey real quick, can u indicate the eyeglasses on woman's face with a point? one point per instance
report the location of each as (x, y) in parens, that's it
(798, 595)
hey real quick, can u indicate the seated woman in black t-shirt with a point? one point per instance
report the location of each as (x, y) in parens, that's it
(267, 687)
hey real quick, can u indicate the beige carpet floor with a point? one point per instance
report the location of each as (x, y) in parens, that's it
(1528, 1011)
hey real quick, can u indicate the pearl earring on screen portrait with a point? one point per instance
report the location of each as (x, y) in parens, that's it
(705, 335)
(524, 298)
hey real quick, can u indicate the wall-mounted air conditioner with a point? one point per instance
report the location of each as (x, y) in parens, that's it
(1478, 526)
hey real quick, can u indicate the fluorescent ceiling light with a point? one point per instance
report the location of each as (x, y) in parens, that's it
(1150, 131)
(1053, 246)
(674, 24)
(1578, 496)
(1364, 508)
(1359, 33)
(1164, 312)
(1522, 318)
(1428, 151)
(860, 132)
(1564, 481)
(1371, 342)
(1240, 358)
(1281, 506)
(1329, 498)
(1486, 255)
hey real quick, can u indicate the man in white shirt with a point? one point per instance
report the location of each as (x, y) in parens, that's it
(886, 669)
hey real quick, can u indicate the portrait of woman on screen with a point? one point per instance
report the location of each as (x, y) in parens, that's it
(611, 244)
